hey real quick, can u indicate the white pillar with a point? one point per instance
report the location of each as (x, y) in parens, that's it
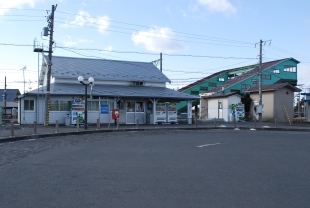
(189, 111)
(154, 111)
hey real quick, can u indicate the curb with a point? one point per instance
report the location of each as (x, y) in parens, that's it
(38, 136)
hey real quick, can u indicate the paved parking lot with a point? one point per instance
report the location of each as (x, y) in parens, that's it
(205, 168)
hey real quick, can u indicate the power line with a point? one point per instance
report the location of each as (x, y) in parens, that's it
(183, 55)
(143, 26)
(159, 37)
(25, 9)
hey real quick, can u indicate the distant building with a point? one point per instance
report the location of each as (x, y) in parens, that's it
(242, 78)
(10, 102)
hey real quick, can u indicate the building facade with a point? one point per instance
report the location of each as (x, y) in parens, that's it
(137, 89)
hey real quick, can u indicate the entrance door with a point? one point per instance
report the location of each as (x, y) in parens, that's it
(220, 109)
(135, 110)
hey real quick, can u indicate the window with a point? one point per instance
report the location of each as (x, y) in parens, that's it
(29, 105)
(290, 68)
(221, 79)
(137, 83)
(93, 105)
(194, 92)
(276, 71)
(212, 84)
(254, 81)
(54, 105)
(245, 86)
(57, 105)
(203, 88)
(65, 105)
(265, 76)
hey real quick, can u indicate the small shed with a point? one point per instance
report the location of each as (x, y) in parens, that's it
(278, 101)
(218, 105)
(307, 105)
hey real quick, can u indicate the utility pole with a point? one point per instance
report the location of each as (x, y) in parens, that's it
(161, 62)
(260, 114)
(4, 96)
(50, 21)
(260, 108)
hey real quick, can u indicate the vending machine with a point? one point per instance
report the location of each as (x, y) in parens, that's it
(238, 111)
(77, 112)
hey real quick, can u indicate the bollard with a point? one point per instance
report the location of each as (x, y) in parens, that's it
(56, 126)
(255, 121)
(195, 121)
(214, 122)
(117, 123)
(109, 126)
(34, 127)
(98, 123)
(275, 122)
(137, 122)
(12, 129)
(77, 125)
(234, 122)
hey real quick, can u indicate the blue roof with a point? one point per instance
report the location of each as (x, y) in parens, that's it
(69, 89)
(11, 94)
(104, 69)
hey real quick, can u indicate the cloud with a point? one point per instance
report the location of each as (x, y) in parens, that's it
(108, 48)
(223, 6)
(68, 41)
(103, 23)
(83, 18)
(8, 4)
(157, 40)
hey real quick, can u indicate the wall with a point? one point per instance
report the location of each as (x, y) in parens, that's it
(284, 97)
(268, 102)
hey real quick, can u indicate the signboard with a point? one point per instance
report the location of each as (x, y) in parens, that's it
(104, 109)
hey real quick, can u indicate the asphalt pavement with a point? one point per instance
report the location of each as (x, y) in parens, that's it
(9, 133)
(162, 168)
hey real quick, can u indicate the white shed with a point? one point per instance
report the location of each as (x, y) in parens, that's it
(218, 105)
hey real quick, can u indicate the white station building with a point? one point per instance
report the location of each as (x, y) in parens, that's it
(136, 89)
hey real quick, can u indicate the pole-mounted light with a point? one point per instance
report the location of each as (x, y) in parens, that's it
(90, 82)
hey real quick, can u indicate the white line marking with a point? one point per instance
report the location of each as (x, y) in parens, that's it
(205, 145)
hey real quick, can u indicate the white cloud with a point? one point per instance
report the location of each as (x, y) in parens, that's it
(223, 6)
(83, 18)
(7, 4)
(157, 40)
(108, 48)
(68, 41)
(103, 23)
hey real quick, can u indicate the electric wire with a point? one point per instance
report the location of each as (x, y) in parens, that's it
(222, 39)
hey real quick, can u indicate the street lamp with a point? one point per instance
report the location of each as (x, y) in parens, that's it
(90, 82)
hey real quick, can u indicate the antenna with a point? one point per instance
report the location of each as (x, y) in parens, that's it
(24, 76)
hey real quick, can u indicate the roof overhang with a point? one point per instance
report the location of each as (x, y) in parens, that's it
(116, 91)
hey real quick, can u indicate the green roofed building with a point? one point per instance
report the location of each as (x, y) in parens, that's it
(242, 78)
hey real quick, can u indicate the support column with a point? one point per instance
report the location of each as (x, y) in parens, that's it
(189, 111)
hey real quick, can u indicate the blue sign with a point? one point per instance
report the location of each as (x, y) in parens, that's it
(104, 108)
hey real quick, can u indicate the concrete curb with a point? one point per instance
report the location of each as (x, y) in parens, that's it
(38, 136)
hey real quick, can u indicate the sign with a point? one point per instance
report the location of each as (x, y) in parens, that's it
(104, 108)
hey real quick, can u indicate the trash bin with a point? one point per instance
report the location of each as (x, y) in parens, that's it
(67, 120)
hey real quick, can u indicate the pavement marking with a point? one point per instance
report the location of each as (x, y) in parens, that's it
(236, 129)
(205, 145)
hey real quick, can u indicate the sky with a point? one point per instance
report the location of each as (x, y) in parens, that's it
(196, 37)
